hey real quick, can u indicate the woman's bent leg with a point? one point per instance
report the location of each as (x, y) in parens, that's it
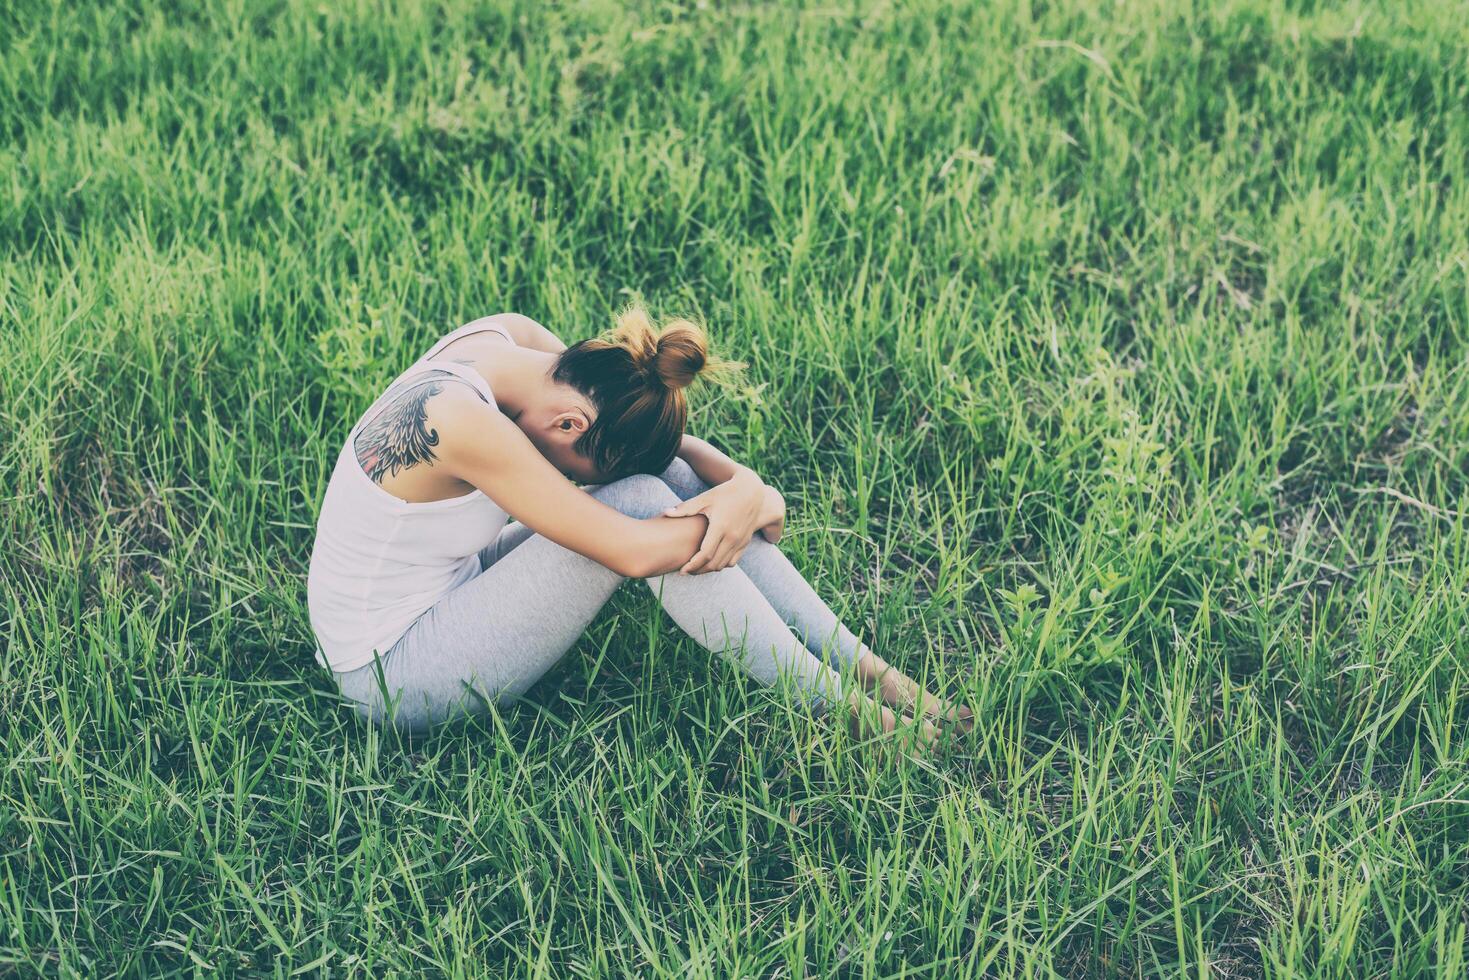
(492, 637)
(497, 634)
(788, 592)
(782, 584)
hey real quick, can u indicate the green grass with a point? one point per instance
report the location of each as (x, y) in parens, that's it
(1115, 364)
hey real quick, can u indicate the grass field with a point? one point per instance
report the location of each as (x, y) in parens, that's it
(1114, 362)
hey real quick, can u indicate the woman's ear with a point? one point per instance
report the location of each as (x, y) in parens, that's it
(570, 422)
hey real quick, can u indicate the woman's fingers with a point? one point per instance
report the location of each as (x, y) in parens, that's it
(721, 557)
(687, 508)
(696, 564)
(719, 550)
(703, 559)
(729, 556)
(724, 557)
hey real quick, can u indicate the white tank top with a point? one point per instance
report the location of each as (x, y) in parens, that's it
(380, 562)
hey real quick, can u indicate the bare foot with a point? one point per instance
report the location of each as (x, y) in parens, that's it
(901, 691)
(958, 717)
(868, 718)
(921, 737)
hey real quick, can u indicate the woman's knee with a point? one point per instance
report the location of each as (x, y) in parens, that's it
(641, 495)
(682, 479)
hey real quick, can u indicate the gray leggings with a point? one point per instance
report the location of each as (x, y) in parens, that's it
(497, 634)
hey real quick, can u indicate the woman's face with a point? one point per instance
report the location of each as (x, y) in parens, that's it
(573, 464)
(554, 430)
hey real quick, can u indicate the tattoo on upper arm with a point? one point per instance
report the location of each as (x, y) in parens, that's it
(398, 436)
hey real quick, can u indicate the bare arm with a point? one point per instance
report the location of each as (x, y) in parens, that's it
(485, 449)
(717, 469)
(737, 505)
(712, 466)
(526, 332)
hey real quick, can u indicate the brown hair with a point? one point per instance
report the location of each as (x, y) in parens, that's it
(635, 376)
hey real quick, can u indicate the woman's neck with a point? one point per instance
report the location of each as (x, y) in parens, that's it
(520, 378)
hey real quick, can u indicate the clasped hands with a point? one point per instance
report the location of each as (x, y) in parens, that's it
(736, 510)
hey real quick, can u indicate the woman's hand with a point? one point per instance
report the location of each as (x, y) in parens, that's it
(775, 505)
(735, 509)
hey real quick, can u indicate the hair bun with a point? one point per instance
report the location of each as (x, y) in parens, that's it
(681, 353)
(671, 357)
(635, 375)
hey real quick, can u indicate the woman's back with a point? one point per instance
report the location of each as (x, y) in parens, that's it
(378, 562)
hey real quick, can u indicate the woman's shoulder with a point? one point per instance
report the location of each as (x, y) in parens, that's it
(428, 409)
(451, 396)
(520, 330)
(467, 427)
(496, 324)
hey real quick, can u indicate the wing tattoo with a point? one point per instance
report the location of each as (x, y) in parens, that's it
(398, 436)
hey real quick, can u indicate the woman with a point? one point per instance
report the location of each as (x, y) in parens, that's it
(427, 605)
